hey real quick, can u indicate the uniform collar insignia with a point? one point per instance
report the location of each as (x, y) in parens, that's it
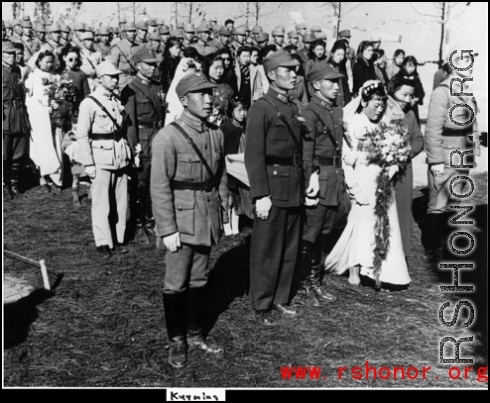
(322, 102)
(284, 98)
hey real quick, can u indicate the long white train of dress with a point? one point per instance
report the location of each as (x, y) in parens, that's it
(357, 242)
(45, 146)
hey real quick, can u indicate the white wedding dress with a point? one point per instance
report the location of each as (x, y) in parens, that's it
(357, 242)
(45, 146)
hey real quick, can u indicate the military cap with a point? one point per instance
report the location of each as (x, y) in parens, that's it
(130, 26)
(308, 38)
(344, 34)
(87, 35)
(6, 24)
(151, 23)
(278, 31)
(64, 27)
(154, 37)
(103, 31)
(375, 38)
(293, 34)
(224, 31)
(180, 25)
(241, 30)
(257, 29)
(216, 29)
(16, 22)
(106, 69)
(323, 71)
(54, 28)
(189, 28)
(321, 35)
(79, 26)
(115, 30)
(177, 33)
(279, 59)
(160, 21)
(142, 25)
(122, 20)
(301, 26)
(193, 82)
(27, 24)
(7, 47)
(262, 37)
(40, 28)
(316, 28)
(164, 30)
(202, 28)
(145, 55)
(26, 18)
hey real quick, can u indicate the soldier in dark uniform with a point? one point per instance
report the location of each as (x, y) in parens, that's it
(322, 153)
(165, 35)
(308, 39)
(143, 101)
(273, 163)
(16, 128)
(186, 188)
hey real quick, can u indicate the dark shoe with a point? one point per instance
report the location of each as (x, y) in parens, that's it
(200, 342)
(306, 297)
(141, 237)
(104, 251)
(284, 310)
(264, 317)
(177, 355)
(320, 293)
(120, 249)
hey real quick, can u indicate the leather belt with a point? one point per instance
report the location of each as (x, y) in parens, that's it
(206, 186)
(295, 160)
(330, 161)
(457, 133)
(106, 136)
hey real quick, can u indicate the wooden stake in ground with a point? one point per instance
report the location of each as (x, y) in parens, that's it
(41, 264)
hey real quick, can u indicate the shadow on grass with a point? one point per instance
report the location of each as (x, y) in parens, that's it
(19, 315)
(228, 280)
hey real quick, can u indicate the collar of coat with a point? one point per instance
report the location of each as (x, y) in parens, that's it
(319, 100)
(284, 98)
(192, 121)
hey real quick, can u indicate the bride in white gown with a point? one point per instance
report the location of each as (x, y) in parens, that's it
(354, 250)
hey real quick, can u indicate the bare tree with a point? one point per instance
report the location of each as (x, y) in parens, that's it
(256, 10)
(192, 9)
(16, 9)
(339, 10)
(42, 11)
(71, 11)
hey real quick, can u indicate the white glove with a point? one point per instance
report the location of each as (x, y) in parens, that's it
(314, 186)
(350, 157)
(311, 202)
(137, 158)
(392, 170)
(263, 207)
(172, 242)
(90, 171)
(437, 170)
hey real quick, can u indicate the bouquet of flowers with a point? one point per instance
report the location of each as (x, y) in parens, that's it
(217, 115)
(389, 147)
(62, 97)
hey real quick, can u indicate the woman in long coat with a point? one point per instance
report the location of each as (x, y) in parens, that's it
(402, 90)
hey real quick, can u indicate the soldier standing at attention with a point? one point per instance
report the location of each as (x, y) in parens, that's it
(273, 163)
(224, 38)
(31, 44)
(152, 27)
(304, 53)
(104, 46)
(54, 40)
(141, 33)
(188, 179)
(16, 127)
(79, 29)
(278, 37)
(7, 30)
(122, 53)
(17, 31)
(202, 45)
(165, 35)
(65, 34)
(240, 34)
(90, 58)
(105, 154)
(322, 153)
(143, 101)
(189, 33)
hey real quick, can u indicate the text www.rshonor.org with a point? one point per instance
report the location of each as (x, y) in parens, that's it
(368, 371)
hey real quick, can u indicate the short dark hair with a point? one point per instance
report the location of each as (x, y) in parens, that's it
(208, 62)
(399, 52)
(170, 44)
(243, 49)
(290, 48)
(18, 45)
(265, 51)
(340, 44)
(362, 47)
(233, 102)
(192, 53)
(42, 55)
(318, 42)
(229, 22)
(67, 50)
(397, 82)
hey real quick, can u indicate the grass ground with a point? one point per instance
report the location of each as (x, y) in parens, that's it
(103, 326)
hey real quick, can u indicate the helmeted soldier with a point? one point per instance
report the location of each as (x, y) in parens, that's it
(262, 40)
(143, 101)
(17, 30)
(65, 34)
(293, 37)
(189, 34)
(104, 46)
(152, 26)
(141, 33)
(16, 127)
(202, 45)
(155, 44)
(224, 38)
(256, 30)
(53, 43)
(273, 163)
(31, 44)
(79, 29)
(308, 39)
(91, 58)
(188, 180)
(278, 37)
(240, 34)
(105, 154)
(122, 53)
(322, 153)
(41, 33)
(301, 29)
(164, 32)
(6, 30)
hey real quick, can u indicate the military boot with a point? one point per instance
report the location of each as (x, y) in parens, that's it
(7, 184)
(305, 295)
(195, 314)
(141, 237)
(316, 274)
(175, 318)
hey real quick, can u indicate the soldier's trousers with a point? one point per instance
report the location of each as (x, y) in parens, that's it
(319, 220)
(109, 206)
(273, 256)
(188, 267)
(439, 192)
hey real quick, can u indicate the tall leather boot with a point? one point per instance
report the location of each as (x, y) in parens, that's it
(7, 183)
(175, 318)
(196, 304)
(305, 295)
(141, 236)
(317, 268)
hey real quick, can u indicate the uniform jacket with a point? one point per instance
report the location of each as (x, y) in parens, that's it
(15, 117)
(105, 50)
(104, 154)
(205, 49)
(54, 47)
(196, 215)
(256, 86)
(142, 101)
(268, 136)
(441, 135)
(90, 60)
(318, 144)
(31, 46)
(121, 54)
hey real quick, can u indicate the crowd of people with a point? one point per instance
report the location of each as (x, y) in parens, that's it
(326, 135)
